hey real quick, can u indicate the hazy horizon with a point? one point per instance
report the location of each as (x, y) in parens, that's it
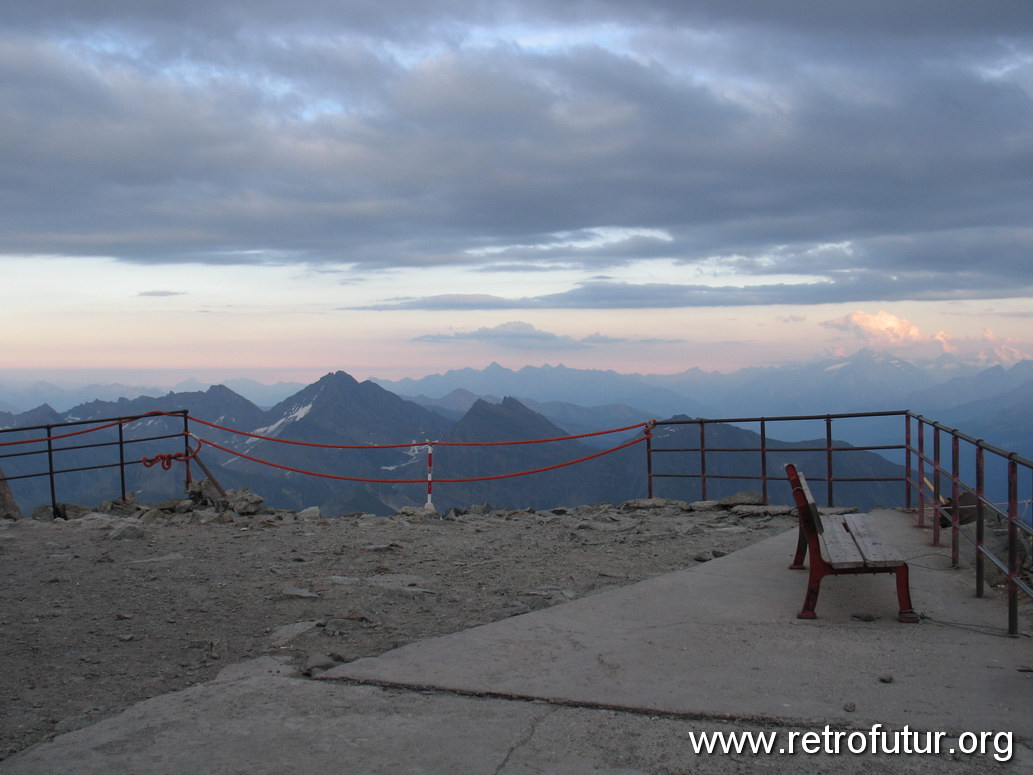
(172, 377)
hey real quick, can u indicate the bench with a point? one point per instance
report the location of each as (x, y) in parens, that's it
(842, 545)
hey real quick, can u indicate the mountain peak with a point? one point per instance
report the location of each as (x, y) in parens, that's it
(508, 421)
(869, 355)
(338, 377)
(339, 409)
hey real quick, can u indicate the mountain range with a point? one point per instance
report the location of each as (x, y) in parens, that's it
(339, 410)
(992, 403)
(867, 380)
(20, 397)
(995, 404)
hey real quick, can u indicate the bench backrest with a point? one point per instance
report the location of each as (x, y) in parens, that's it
(805, 505)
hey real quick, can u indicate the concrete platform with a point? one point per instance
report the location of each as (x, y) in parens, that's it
(722, 640)
(614, 682)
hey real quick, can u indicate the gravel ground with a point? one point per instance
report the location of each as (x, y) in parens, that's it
(107, 609)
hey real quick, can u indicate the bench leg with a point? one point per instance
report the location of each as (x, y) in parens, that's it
(801, 551)
(907, 612)
(813, 587)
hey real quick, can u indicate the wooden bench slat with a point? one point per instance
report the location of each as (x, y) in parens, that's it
(872, 545)
(838, 546)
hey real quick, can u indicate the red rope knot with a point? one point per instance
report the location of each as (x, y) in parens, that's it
(167, 459)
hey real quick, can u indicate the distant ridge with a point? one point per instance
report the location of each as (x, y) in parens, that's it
(585, 387)
(339, 410)
(993, 404)
(867, 380)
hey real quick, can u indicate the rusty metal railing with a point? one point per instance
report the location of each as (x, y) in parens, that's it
(55, 440)
(990, 480)
(766, 449)
(998, 482)
(951, 457)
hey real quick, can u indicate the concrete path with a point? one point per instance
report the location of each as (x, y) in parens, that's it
(615, 683)
(722, 640)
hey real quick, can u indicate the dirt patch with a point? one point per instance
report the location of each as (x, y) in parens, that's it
(106, 609)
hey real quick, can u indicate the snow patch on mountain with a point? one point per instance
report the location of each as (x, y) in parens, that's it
(278, 426)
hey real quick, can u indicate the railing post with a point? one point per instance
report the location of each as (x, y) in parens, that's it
(430, 474)
(980, 517)
(907, 461)
(702, 460)
(50, 471)
(828, 458)
(936, 485)
(211, 477)
(186, 451)
(921, 471)
(648, 430)
(122, 459)
(955, 498)
(764, 460)
(1013, 547)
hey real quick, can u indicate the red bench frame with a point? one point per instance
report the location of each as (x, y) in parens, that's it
(809, 540)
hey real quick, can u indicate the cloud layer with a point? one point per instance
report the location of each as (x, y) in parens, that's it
(884, 330)
(797, 152)
(518, 335)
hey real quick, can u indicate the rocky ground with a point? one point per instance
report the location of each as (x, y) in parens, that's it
(129, 601)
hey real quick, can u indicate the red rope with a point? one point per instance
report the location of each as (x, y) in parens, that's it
(68, 435)
(639, 440)
(324, 446)
(300, 443)
(303, 471)
(418, 481)
(166, 460)
(538, 441)
(409, 444)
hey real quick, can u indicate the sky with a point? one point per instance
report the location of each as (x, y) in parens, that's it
(396, 188)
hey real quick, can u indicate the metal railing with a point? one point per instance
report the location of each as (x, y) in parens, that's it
(952, 457)
(54, 441)
(766, 450)
(990, 480)
(996, 481)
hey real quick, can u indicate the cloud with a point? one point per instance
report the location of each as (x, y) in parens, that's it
(841, 287)
(519, 335)
(790, 140)
(445, 301)
(161, 293)
(945, 342)
(885, 330)
(515, 335)
(598, 338)
(882, 328)
(587, 247)
(996, 350)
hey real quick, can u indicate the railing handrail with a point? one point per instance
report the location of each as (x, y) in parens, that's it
(916, 459)
(103, 423)
(126, 418)
(950, 508)
(779, 446)
(782, 418)
(973, 440)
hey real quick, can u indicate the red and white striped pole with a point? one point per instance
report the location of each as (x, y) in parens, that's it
(430, 474)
